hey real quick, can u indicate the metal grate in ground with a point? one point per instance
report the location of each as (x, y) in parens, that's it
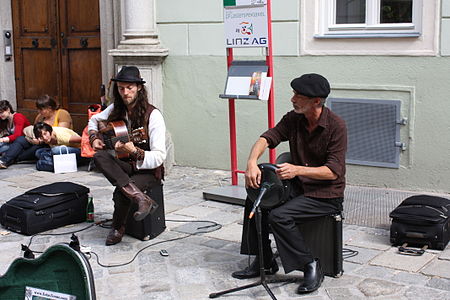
(370, 207)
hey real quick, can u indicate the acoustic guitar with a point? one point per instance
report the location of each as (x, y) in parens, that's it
(118, 131)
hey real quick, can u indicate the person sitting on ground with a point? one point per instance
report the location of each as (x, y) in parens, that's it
(24, 147)
(318, 143)
(11, 125)
(57, 138)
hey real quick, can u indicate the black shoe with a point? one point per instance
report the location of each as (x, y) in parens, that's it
(312, 277)
(252, 271)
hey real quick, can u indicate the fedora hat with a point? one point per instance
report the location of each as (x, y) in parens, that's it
(129, 74)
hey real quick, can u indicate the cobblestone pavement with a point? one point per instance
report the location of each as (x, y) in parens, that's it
(199, 264)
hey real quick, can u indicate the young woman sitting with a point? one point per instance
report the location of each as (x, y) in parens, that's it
(25, 147)
(57, 138)
(11, 125)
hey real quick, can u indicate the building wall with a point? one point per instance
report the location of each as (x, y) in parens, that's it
(414, 71)
(7, 83)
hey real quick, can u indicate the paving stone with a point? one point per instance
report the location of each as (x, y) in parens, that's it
(337, 293)
(445, 254)
(232, 232)
(364, 255)
(368, 240)
(410, 278)
(392, 259)
(439, 283)
(439, 268)
(414, 293)
(369, 271)
(376, 287)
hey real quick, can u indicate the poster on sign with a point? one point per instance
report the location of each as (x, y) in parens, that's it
(246, 27)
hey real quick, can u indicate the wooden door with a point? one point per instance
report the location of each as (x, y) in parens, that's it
(57, 52)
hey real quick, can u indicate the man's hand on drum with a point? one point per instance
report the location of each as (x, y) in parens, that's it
(252, 176)
(286, 171)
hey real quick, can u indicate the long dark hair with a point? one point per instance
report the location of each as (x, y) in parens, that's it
(140, 108)
(4, 105)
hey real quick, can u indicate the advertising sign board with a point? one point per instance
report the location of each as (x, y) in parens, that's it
(246, 27)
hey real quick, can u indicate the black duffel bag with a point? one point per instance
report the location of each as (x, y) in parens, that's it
(421, 220)
(46, 207)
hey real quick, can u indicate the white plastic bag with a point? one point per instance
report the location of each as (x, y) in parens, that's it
(65, 163)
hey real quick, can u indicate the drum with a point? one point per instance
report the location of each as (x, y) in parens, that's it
(277, 190)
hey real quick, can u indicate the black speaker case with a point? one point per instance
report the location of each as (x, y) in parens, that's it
(324, 238)
(154, 224)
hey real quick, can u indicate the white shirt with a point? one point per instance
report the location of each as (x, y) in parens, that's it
(157, 137)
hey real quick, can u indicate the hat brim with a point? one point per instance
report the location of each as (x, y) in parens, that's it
(128, 80)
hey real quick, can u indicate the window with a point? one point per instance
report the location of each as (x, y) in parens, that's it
(370, 18)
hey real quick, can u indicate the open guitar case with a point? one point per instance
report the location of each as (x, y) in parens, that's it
(59, 270)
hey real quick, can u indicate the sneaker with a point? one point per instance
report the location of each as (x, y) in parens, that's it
(3, 165)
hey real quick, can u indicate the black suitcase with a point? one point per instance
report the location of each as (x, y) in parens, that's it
(153, 224)
(46, 207)
(421, 220)
(324, 238)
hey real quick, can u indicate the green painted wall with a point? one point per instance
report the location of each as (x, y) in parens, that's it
(198, 119)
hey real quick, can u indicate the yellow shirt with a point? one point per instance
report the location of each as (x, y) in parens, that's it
(63, 136)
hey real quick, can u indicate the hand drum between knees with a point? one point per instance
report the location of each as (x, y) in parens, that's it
(277, 190)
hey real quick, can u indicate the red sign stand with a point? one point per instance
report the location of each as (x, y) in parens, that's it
(270, 104)
(236, 194)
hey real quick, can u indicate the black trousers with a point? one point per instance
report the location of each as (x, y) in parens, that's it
(284, 221)
(120, 173)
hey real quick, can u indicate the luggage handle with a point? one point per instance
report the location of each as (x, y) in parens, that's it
(60, 214)
(405, 250)
(12, 219)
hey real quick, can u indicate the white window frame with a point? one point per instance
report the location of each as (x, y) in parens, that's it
(372, 28)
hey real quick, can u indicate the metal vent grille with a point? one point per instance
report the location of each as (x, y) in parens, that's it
(373, 130)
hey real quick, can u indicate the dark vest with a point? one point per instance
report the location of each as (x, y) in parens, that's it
(159, 171)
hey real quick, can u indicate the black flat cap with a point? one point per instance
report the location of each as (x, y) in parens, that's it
(311, 85)
(129, 74)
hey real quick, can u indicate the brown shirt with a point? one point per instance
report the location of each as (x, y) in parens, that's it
(325, 146)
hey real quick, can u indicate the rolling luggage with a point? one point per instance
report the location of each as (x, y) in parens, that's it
(154, 224)
(324, 238)
(46, 207)
(421, 220)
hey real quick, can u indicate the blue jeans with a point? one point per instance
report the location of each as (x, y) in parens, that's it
(20, 150)
(4, 147)
(45, 156)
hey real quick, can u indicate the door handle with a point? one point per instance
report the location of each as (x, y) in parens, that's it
(35, 43)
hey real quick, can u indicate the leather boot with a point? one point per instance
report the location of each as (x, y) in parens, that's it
(312, 277)
(252, 271)
(146, 205)
(118, 224)
(115, 236)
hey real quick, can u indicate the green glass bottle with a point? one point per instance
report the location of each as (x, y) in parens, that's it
(90, 209)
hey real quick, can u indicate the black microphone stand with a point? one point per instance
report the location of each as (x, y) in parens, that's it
(262, 281)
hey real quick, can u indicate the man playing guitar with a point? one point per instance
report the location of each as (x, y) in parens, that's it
(141, 167)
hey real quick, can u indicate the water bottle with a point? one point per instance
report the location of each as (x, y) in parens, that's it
(90, 209)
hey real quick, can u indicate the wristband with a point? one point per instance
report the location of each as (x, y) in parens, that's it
(93, 137)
